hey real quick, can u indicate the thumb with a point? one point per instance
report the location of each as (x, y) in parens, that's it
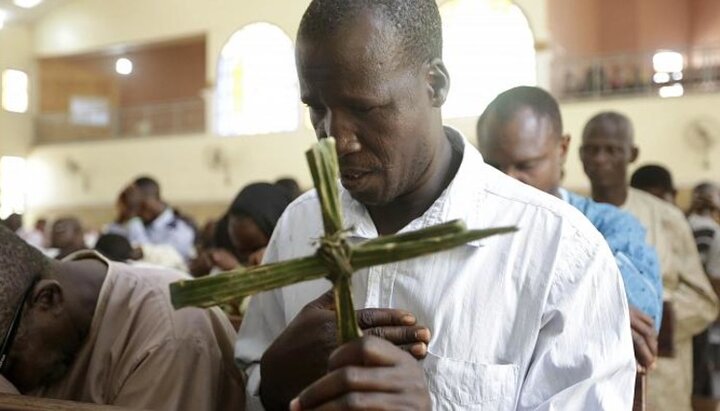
(324, 302)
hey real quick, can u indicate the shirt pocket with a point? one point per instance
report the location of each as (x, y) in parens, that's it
(460, 385)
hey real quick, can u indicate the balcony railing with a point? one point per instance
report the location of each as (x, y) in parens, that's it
(635, 74)
(95, 122)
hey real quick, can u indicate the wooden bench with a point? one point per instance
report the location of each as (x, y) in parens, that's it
(25, 403)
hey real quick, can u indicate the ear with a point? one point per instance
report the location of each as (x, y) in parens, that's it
(47, 296)
(564, 147)
(634, 154)
(438, 80)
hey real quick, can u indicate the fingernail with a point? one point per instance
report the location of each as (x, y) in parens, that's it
(408, 319)
(295, 405)
(423, 335)
(419, 350)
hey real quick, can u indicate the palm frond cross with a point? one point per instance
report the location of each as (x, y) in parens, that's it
(335, 259)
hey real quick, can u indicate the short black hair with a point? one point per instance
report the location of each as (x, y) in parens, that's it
(290, 185)
(114, 247)
(652, 176)
(509, 102)
(610, 123)
(148, 186)
(417, 22)
(20, 265)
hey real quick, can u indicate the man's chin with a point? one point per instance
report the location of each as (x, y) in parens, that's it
(368, 198)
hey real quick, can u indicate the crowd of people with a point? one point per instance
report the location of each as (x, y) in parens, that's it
(590, 294)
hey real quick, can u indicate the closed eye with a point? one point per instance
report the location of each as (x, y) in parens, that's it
(364, 109)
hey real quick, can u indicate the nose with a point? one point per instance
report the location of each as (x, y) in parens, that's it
(600, 157)
(340, 126)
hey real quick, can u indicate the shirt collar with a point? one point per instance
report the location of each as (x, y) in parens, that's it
(460, 200)
(564, 194)
(165, 218)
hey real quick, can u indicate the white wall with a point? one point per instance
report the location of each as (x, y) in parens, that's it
(16, 52)
(180, 163)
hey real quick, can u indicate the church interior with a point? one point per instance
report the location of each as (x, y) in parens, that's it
(173, 133)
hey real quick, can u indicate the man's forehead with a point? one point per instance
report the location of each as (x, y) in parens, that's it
(367, 43)
(606, 138)
(520, 127)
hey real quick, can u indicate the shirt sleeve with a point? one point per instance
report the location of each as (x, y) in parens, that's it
(694, 301)
(154, 384)
(262, 323)
(583, 358)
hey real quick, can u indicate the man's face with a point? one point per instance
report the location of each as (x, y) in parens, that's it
(65, 234)
(605, 158)
(245, 236)
(44, 348)
(128, 203)
(526, 148)
(378, 108)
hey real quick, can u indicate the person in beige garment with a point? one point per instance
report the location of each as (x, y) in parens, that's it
(90, 330)
(607, 150)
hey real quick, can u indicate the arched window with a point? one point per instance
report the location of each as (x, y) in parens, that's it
(488, 48)
(257, 86)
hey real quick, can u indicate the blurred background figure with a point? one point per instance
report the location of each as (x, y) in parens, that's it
(118, 248)
(67, 237)
(656, 180)
(703, 217)
(34, 236)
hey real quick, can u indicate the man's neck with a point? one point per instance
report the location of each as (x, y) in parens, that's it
(82, 281)
(157, 209)
(556, 192)
(391, 218)
(615, 195)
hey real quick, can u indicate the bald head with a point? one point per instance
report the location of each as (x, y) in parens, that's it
(417, 23)
(520, 133)
(508, 103)
(607, 150)
(610, 124)
(20, 265)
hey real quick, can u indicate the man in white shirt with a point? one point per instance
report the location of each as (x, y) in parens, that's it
(144, 218)
(534, 320)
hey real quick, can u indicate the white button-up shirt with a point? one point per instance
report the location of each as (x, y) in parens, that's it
(535, 320)
(169, 229)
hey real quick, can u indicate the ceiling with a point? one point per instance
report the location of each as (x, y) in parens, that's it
(17, 14)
